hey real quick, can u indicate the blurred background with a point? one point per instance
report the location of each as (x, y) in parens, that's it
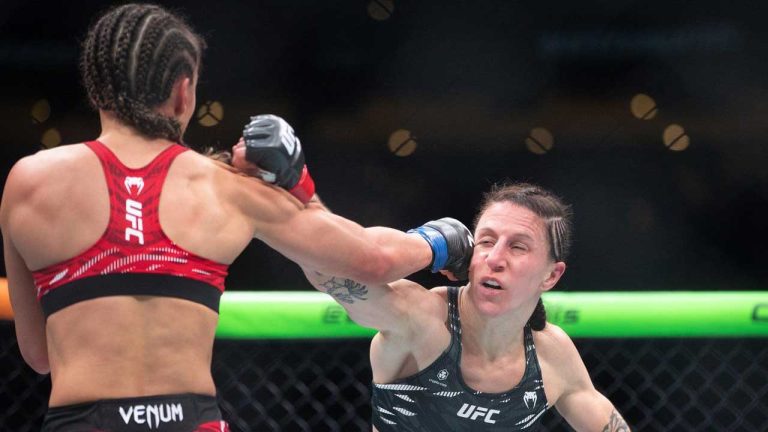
(649, 117)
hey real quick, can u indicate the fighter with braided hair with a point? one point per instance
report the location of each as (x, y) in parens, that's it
(116, 249)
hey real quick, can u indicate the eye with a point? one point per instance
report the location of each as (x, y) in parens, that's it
(484, 242)
(519, 246)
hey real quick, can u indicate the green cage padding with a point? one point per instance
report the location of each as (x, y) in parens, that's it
(309, 315)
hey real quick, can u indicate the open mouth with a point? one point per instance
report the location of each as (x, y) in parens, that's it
(492, 284)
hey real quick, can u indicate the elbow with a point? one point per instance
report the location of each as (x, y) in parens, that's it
(37, 360)
(375, 269)
(42, 367)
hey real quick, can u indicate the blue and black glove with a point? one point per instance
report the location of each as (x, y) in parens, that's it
(452, 245)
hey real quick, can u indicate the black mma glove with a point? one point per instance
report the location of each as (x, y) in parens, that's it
(271, 144)
(452, 245)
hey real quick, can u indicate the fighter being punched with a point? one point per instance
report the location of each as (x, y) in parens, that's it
(480, 357)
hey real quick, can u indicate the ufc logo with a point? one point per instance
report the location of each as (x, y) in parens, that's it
(133, 215)
(473, 412)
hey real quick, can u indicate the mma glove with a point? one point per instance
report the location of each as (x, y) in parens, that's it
(271, 144)
(452, 245)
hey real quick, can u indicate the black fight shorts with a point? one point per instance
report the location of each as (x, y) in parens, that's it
(167, 413)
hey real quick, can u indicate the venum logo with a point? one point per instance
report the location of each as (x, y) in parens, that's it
(474, 412)
(529, 399)
(134, 182)
(152, 415)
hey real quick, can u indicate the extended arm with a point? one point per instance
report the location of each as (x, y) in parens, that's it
(317, 239)
(384, 307)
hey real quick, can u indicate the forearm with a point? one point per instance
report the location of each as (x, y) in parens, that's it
(403, 254)
(616, 423)
(406, 253)
(378, 255)
(590, 411)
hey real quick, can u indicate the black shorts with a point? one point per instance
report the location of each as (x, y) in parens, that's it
(166, 413)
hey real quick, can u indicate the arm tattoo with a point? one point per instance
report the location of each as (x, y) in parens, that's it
(345, 290)
(616, 423)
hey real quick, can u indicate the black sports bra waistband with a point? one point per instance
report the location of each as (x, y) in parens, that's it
(130, 284)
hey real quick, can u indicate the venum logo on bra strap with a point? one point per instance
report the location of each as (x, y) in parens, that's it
(133, 212)
(529, 399)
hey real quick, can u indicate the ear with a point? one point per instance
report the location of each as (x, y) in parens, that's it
(182, 95)
(553, 276)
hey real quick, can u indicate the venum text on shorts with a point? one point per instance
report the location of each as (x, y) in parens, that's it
(152, 415)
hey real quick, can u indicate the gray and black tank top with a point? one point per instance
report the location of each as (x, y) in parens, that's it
(437, 399)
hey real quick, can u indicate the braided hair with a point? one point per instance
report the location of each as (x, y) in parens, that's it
(130, 61)
(557, 221)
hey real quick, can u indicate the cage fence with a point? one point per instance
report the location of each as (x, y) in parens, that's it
(324, 384)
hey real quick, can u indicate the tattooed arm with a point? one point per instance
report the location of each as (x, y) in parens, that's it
(569, 387)
(381, 306)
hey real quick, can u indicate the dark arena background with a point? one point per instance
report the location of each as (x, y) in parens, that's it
(649, 117)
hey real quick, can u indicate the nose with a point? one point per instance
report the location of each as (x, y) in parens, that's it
(495, 258)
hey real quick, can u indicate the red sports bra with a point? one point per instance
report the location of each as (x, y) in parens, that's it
(133, 256)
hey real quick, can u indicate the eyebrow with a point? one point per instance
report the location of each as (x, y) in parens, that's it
(522, 235)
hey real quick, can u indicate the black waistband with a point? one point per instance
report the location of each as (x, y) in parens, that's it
(175, 412)
(130, 284)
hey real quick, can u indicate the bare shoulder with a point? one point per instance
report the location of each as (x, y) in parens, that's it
(439, 295)
(251, 195)
(415, 297)
(46, 167)
(436, 300)
(441, 291)
(420, 308)
(195, 164)
(554, 346)
(49, 162)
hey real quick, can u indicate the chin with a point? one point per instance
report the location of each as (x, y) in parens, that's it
(491, 302)
(491, 310)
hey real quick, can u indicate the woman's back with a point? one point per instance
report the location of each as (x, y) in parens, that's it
(128, 345)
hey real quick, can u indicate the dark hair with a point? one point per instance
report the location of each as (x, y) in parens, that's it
(132, 57)
(557, 222)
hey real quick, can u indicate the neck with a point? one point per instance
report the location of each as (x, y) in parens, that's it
(491, 336)
(115, 133)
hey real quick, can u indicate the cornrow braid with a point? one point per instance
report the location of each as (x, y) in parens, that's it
(122, 52)
(559, 235)
(104, 42)
(170, 59)
(132, 57)
(143, 56)
(555, 214)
